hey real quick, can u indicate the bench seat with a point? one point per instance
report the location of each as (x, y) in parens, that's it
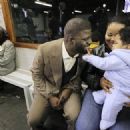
(19, 77)
(23, 79)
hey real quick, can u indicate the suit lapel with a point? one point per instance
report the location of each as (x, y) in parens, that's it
(78, 69)
(56, 63)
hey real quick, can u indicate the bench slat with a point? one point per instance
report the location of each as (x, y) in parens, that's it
(16, 81)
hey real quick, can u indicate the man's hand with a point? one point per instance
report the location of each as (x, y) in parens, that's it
(65, 94)
(54, 101)
(105, 84)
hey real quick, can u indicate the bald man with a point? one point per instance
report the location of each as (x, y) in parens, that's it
(56, 69)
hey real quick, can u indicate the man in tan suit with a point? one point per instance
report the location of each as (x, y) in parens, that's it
(56, 69)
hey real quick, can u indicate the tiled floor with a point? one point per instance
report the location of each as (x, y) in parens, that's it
(12, 109)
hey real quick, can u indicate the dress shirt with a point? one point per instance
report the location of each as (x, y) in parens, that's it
(68, 60)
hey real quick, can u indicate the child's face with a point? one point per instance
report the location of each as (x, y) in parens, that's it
(118, 43)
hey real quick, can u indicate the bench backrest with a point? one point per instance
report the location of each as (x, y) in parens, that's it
(24, 57)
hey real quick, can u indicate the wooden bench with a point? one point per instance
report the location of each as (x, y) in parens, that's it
(21, 77)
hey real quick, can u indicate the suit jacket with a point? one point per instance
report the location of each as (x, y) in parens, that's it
(7, 58)
(47, 70)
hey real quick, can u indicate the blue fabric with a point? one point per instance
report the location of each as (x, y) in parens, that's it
(127, 6)
(90, 116)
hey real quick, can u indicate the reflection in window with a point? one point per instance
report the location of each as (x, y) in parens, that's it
(30, 21)
(37, 23)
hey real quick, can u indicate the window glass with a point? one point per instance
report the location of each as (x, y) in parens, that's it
(30, 21)
(35, 22)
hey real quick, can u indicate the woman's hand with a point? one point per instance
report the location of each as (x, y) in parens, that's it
(105, 84)
(127, 104)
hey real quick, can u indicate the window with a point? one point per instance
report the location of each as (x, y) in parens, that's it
(30, 21)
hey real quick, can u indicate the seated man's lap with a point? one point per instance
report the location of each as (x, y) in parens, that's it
(72, 106)
(39, 110)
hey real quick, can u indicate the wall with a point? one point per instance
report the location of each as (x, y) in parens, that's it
(2, 22)
(24, 57)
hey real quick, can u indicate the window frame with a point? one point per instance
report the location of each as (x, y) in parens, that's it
(10, 27)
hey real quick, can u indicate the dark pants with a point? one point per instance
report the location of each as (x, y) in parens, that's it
(1, 85)
(90, 116)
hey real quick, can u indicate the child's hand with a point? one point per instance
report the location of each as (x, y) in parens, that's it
(89, 50)
(91, 47)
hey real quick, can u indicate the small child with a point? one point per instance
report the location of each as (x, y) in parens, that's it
(117, 70)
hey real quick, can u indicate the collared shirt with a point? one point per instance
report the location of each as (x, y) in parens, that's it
(67, 60)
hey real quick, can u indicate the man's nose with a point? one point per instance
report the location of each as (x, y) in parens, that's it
(88, 42)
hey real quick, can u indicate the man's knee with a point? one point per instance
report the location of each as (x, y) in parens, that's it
(33, 120)
(72, 107)
(38, 110)
(71, 114)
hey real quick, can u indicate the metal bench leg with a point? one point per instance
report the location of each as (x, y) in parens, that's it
(28, 98)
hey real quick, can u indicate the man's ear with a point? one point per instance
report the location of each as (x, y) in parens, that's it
(69, 38)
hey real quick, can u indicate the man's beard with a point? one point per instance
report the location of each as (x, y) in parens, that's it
(81, 49)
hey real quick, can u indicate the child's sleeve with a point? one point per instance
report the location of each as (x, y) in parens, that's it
(106, 63)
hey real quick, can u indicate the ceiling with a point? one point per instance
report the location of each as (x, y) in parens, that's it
(86, 6)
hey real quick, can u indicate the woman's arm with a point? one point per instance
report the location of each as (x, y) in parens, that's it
(91, 76)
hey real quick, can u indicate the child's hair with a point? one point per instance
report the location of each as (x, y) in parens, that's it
(125, 35)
